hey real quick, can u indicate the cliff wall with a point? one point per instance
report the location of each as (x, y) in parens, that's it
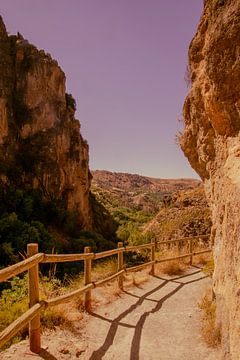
(40, 141)
(211, 141)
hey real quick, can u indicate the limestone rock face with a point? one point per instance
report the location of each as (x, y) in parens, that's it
(40, 141)
(211, 141)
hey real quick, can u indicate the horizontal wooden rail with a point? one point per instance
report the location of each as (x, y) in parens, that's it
(56, 258)
(171, 241)
(182, 239)
(139, 267)
(202, 251)
(138, 247)
(109, 278)
(20, 267)
(31, 263)
(174, 258)
(67, 297)
(104, 254)
(20, 323)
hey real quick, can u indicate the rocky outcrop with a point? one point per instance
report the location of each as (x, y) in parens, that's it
(40, 141)
(211, 141)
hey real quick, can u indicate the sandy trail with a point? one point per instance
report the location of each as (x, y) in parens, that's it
(158, 320)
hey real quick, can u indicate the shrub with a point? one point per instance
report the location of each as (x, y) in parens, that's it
(209, 267)
(70, 101)
(211, 332)
(13, 303)
(173, 267)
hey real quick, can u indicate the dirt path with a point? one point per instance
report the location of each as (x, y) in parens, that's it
(158, 320)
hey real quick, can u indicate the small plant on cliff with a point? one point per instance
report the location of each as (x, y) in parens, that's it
(211, 332)
(209, 267)
(70, 101)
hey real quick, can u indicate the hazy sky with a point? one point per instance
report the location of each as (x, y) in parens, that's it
(125, 62)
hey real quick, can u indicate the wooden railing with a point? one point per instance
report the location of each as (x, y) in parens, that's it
(32, 315)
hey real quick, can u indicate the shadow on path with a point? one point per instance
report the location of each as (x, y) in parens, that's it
(135, 345)
(44, 354)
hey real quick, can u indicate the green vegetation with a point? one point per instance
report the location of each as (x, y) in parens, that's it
(209, 267)
(26, 216)
(70, 101)
(130, 222)
(13, 303)
(127, 222)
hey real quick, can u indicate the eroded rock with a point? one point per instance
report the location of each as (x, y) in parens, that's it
(40, 138)
(211, 141)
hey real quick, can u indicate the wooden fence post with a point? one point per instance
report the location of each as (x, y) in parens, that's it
(153, 248)
(33, 291)
(87, 278)
(191, 250)
(120, 266)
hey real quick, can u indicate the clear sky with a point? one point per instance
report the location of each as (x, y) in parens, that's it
(125, 62)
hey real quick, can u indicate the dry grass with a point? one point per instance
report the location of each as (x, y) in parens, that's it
(139, 278)
(211, 332)
(56, 317)
(209, 267)
(173, 267)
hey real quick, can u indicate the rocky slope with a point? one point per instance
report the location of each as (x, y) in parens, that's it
(185, 213)
(40, 142)
(147, 207)
(136, 191)
(211, 141)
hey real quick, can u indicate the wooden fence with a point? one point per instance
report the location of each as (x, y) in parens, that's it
(32, 315)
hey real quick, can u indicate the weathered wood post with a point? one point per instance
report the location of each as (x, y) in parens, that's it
(191, 250)
(87, 278)
(33, 291)
(153, 249)
(120, 265)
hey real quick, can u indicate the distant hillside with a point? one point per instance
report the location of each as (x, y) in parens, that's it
(146, 208)
(136, 191)
(186, 213)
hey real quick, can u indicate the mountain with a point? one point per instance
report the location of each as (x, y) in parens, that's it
(40, 142)
(146, 208)
(44, 161)
(185, 213)
(136, 191)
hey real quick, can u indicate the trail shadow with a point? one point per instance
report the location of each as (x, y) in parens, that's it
(44, 354)
(135, 345)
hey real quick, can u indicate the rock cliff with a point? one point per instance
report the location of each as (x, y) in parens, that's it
(211, 141)
(40, 141)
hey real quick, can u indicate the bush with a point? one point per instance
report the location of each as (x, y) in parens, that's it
(70, 101)
(13, 303)
(211, 332)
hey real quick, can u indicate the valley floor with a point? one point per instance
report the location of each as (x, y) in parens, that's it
(157, 320)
